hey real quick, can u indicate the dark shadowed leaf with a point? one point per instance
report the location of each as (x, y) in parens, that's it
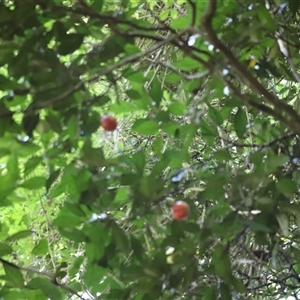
(13, 275)
(48, 288)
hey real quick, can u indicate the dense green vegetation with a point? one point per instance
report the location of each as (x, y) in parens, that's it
(206, 97)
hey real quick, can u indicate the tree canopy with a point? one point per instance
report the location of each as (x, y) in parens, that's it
(203, 106)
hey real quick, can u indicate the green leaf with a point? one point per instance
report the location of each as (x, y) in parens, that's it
(286, 185)
(31, 164)
(139, 160)
(240, 122)
(41, 248)
(222, 155)
(283, 222)
(273, 161)
(215, 115)
(90, 123)
(158, 146)
(13, 274)
(294, 6)
(72, 127)
(94, 274)
(145, 127)
(155, 91)
(221, 263)
(266, 18)
(207, 132)
(13, 167)
(124, 107)
(34, 183)
(30, 122)
(181, 23)
(19, 235)
(25, 148)
(92, 156)
(69, 43)
(177, 108)
(120, 239)
(99, 237)
(73, 234)
(67, 218)
(187, 64)
(297, 213)
(122, 195)
(48, 288)
(53, 176)
(225, 291)
(5, 249)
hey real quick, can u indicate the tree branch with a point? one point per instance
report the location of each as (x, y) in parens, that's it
(242, 71)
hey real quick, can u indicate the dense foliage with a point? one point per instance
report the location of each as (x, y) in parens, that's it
(205, 94)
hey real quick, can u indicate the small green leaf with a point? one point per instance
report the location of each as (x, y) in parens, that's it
(294, 6)
(69, 43)
(121, 195)
(155, 91)
(266, 18)
(273, 161)
(283, 222)
(146, 127)
(7, 84)
(215, 115)
(73, 234)
(177, 108)
(53, 176)
(286, 185)
(90, 123)
(139, 160)
(240, 122)
(297, 222)
(66, 218)
(5, 249)
(19, 235)
(94, 274)
(187, 64)
(207, 132)
(13, 274)
(158, 146)
(29, 122)
(31, 164)
(221, 263)
(72, 127)
(181, 23)
(222, 155)
(225, 291)
(48, 288)
(120, 239)
(13, 167)
(41, 248)
(123, 107)
(34, 183)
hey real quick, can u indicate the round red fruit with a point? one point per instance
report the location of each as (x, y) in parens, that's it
(180, 210)
(109, 123)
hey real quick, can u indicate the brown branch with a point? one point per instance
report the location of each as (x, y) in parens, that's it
(249, 80)
(105, 70)
(262, 146)
(260, 106)
(44, 274)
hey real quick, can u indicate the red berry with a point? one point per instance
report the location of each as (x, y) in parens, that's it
(180, 210)
(109, 123)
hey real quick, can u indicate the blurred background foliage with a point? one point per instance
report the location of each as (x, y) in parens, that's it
(206, 95)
